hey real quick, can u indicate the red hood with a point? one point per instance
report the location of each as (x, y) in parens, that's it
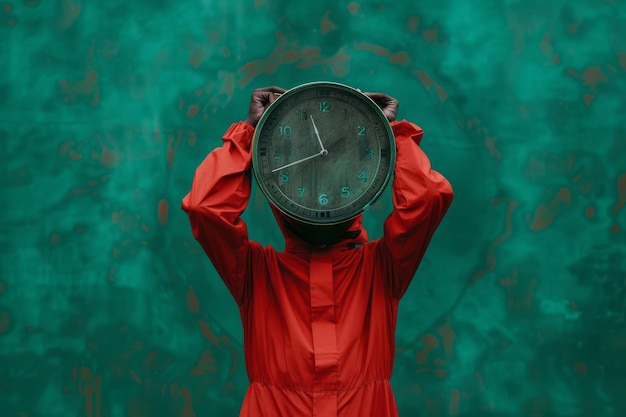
(352, 232)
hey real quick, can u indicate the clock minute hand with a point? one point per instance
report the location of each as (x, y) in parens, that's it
(317, 133)
(323, 152)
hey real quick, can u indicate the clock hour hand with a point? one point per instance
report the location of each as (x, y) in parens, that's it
(323, 152)
(317, 133)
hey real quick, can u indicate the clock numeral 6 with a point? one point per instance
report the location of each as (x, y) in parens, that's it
(323, 199)
(345, 192)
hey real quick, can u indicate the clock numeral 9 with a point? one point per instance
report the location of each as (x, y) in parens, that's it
(285, 130)
(324, 106)
(323, 199)
(345, 192)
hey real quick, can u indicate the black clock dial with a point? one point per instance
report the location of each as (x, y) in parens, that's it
(323, 152)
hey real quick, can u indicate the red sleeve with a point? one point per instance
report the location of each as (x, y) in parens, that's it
(421, 198)
(219, 194)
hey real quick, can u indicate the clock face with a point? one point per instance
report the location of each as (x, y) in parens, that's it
(323, 153)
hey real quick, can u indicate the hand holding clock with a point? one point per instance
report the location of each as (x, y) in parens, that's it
(387, 104)
(260, 100)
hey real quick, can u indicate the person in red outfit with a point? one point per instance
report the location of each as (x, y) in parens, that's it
(318, 321)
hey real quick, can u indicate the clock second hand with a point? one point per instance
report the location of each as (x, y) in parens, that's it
(323, 152)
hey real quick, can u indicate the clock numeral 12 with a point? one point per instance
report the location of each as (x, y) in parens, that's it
(324, 106)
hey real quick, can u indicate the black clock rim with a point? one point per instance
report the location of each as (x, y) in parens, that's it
(258, 177)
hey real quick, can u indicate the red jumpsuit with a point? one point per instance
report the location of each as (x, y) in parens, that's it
(318, 323)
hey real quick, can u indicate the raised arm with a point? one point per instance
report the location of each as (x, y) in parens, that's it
(219, 194)
(421, 198)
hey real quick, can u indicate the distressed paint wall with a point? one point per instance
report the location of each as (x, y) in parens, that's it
(109, 308)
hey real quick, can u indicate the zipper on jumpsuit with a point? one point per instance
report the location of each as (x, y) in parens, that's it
(324, 333)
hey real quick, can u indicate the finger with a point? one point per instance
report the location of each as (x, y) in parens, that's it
(383, 103)
(376, 95)
(269, 94)
(271, 89)
(273, 96)
(379, 99)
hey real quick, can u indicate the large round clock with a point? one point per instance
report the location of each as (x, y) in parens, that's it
(323, 152)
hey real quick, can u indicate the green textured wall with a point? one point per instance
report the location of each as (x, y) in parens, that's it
(108, 307)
